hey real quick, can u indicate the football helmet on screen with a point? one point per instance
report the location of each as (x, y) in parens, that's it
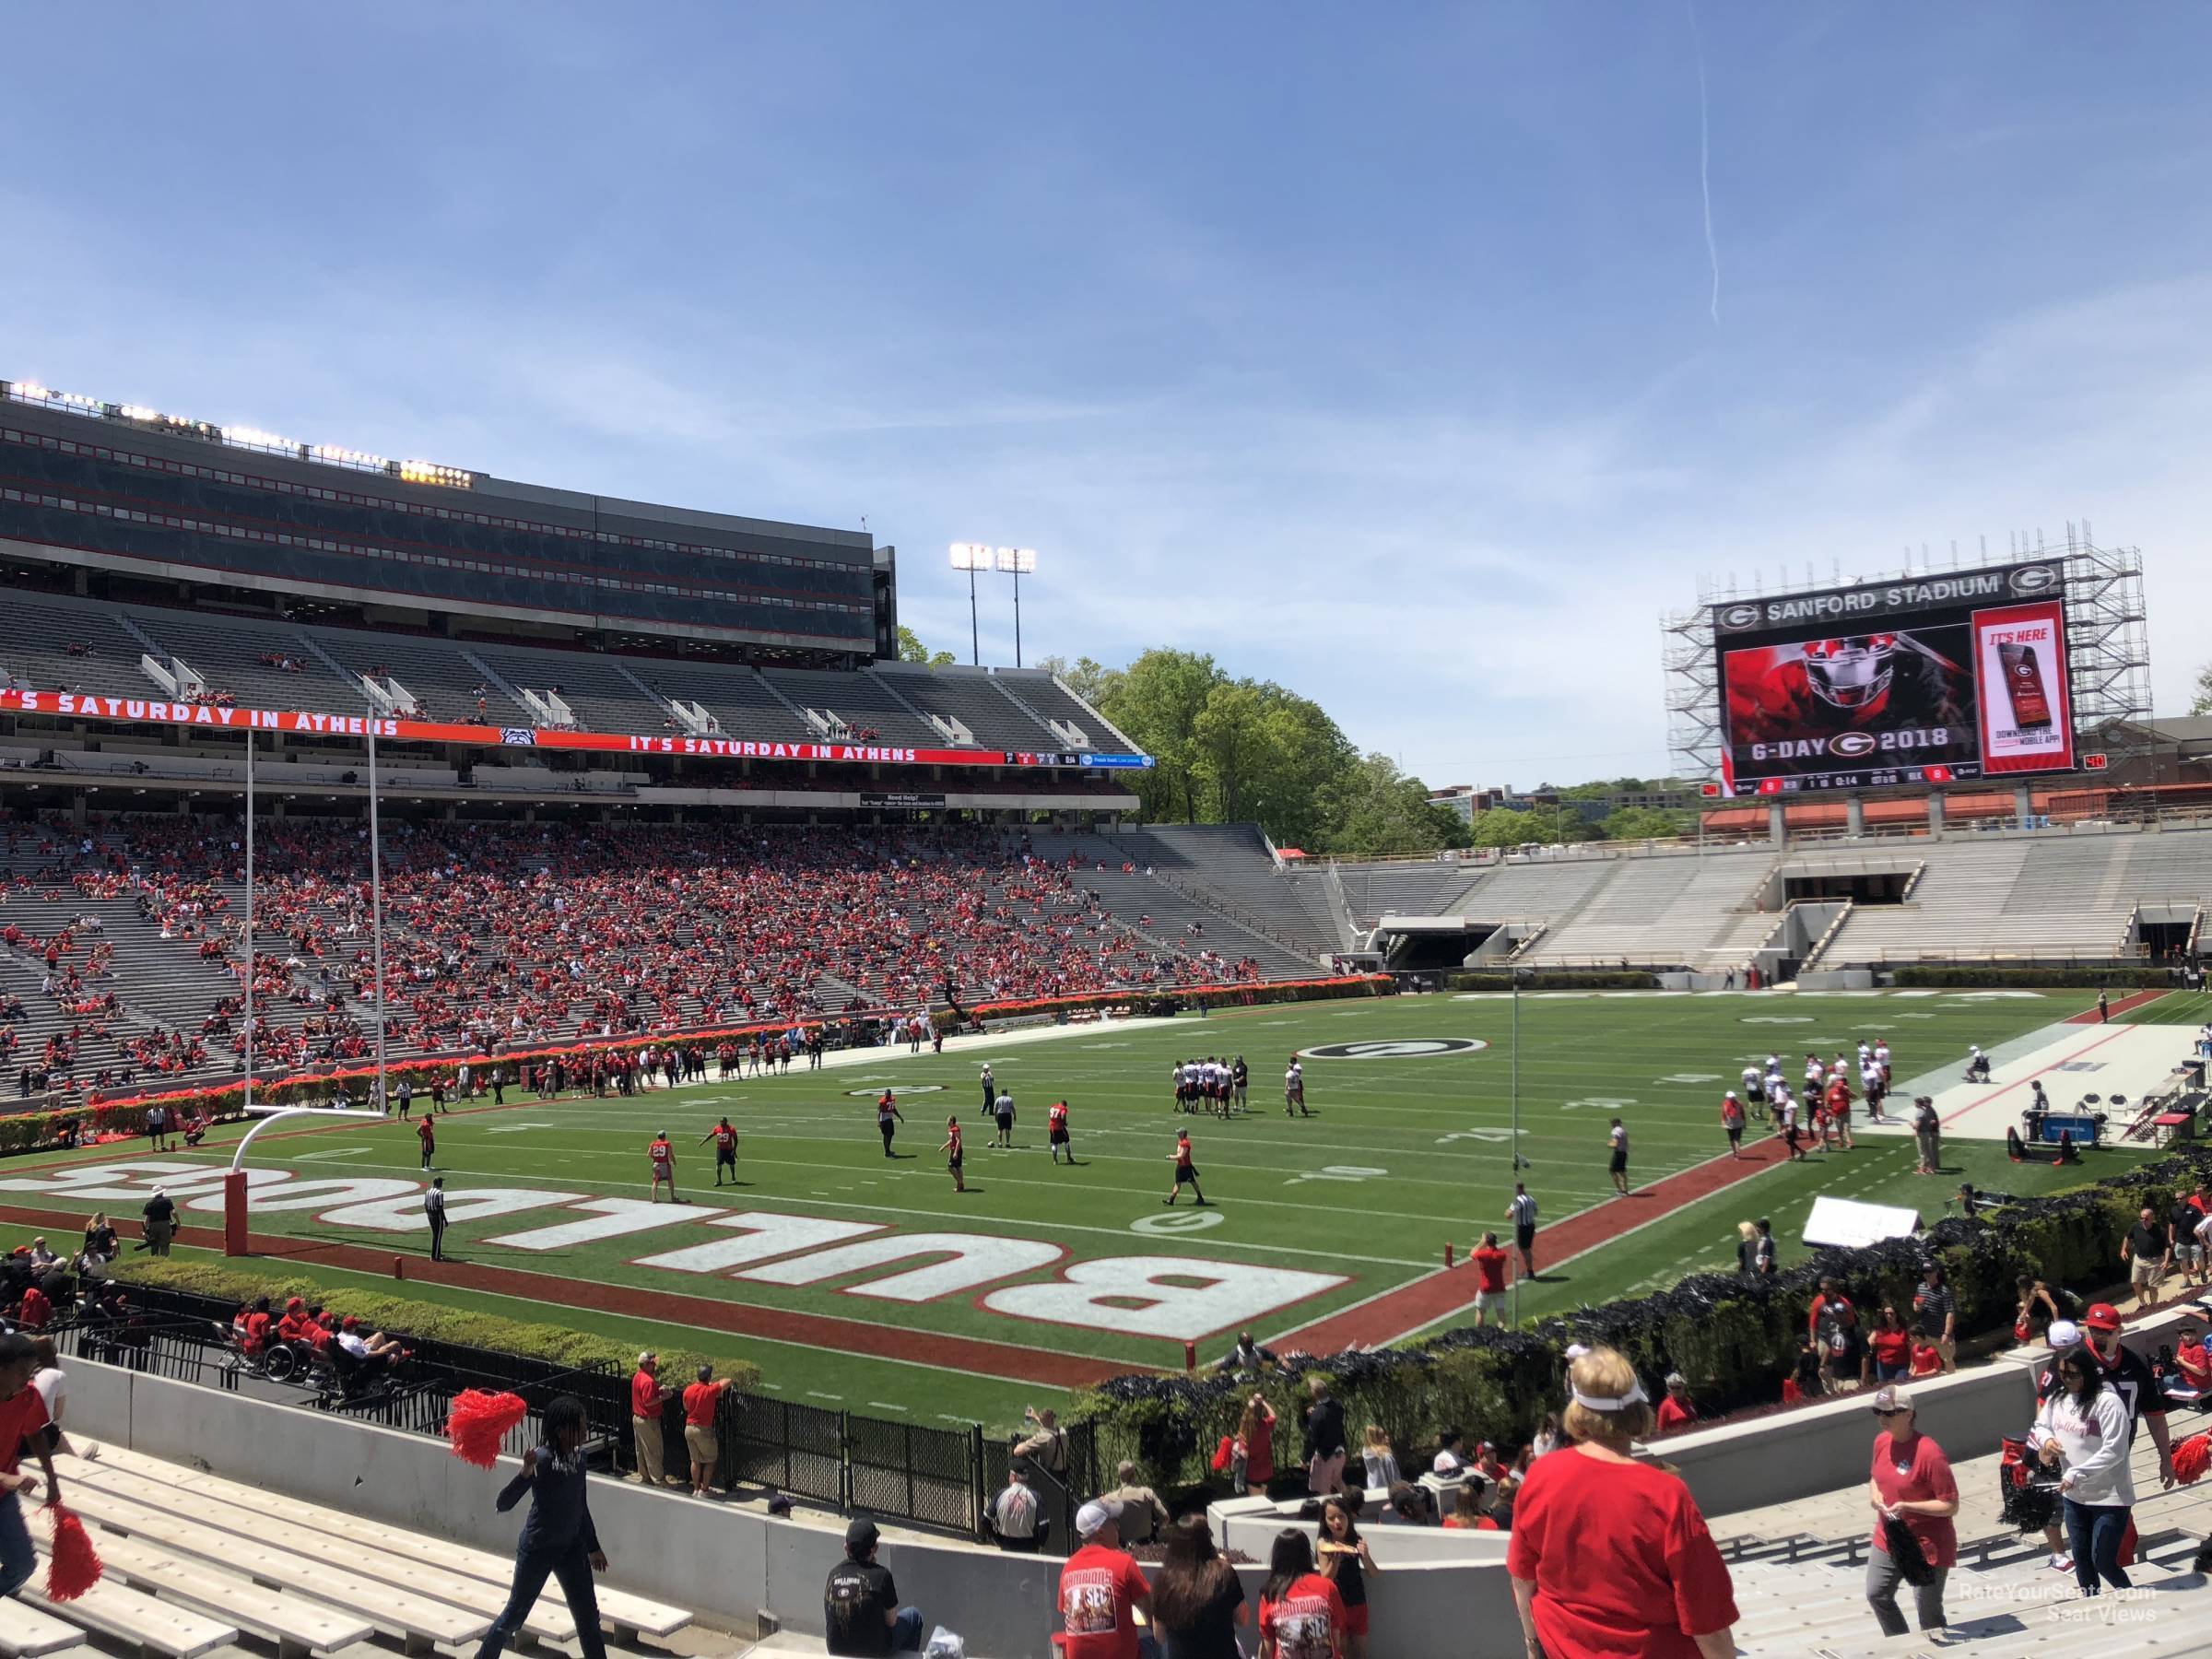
(1852, 672)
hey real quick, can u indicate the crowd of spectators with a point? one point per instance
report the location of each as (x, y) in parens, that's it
(501, 936)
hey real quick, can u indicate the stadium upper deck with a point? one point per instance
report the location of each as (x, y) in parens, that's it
(139, 495)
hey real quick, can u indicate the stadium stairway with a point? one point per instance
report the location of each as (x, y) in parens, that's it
(1230, 864)
(1799, 1573)
(1433, 888)
(1130, 896)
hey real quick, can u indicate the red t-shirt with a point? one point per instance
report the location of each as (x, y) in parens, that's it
(424, 1130)
(700, 1400)
(1657, 1584)
(1927, 1361)
(1890, 1348)
(2197, 1368)
(1672, 1414)
(257, 1332)
(726, 1140)
(36, 1309)
(1099, 1588)
(660, 1153)
(644, 1395)
(1182, 1153)
(1927, 1476)
(1057, 1117)
(24, 1414)
(1306, 1621)
(1489, 1268)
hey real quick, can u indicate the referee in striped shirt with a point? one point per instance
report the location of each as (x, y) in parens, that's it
(1522, 1212)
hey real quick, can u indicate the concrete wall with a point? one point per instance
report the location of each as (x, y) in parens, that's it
(730, 1564)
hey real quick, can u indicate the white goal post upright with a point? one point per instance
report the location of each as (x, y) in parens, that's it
(235, 1236)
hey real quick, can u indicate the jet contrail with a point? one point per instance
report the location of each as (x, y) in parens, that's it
(1712, 249)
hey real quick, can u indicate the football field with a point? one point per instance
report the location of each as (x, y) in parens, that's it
(867, 1282)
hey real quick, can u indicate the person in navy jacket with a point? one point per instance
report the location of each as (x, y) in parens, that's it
(557, 1540)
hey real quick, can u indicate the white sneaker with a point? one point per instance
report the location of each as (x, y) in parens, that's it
(2062, 1564)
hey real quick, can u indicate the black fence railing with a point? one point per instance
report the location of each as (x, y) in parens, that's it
(939, 1478)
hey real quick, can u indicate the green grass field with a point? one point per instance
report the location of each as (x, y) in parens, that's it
(1402, 1153)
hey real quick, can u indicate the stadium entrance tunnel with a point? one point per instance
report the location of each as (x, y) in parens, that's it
(1421, 943)
(1861, 887)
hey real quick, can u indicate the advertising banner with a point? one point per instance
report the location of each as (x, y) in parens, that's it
(136, 711)
(1926, 679)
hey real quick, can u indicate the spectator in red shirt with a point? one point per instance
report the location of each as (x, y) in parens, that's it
(1912, 1482)
(22, 1412)
(35, 1310)
(1102, 1588)
(1927, 1358)
(702, 1400)
(1610, 1556)
(1302, 1614)
(1678, 1411)
(647, 1398)
(1489, 1276)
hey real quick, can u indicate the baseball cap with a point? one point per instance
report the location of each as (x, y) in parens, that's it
(862, 1533)
(350, 1323)
(1096, 1513)
(1575, 1350)
(1677, 1380)
(2063, 1333)
(1891, 1398)
(648, 1354)
(2102, 1316)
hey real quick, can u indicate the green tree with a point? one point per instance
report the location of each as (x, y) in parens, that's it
(911, 650)
(1091, 681)
(1157, 701)
(2200, 701)
(1502, 826)
(1381, 811)
(1643, 823)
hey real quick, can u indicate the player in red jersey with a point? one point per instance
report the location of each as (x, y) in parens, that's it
(664, 1167)
(951, 1149)
(1838, 1107)
(1056, 1119)
(429, 1137)
(726, 1149)
(1187, 1172)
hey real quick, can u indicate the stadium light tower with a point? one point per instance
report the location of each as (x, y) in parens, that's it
(972, 557)
(1017, 562)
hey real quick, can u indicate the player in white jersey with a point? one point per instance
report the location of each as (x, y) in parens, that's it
(1816, 1075)
(1183, 1088)
(1755, 1087)
(1881, 1058)
(1294, 1090)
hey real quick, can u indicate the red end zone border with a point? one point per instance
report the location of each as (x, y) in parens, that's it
(975, 1355)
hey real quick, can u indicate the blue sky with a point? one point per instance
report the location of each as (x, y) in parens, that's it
(1372, 349)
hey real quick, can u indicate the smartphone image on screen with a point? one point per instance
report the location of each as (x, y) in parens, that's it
(2024, 685)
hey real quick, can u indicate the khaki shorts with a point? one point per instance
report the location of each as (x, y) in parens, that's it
(698, 1438)
(2142, 1271)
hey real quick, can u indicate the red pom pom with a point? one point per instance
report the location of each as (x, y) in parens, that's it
(74, 1566)
(1791, 1393)
(478, 1422)
(2191, 1457)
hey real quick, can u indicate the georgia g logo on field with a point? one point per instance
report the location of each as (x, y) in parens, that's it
(1739, 616)
(2034, 579)
(1402, 1048)
(1851, 744)
(518, 737)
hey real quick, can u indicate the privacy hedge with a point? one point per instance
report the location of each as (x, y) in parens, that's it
(1611, 978)
(2054, 976)
(433, 1320)
(1733, 1338)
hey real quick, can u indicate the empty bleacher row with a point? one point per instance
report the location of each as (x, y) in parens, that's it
(1669, 910)
(55, 643)
(2066, 897)
(195, 1562)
